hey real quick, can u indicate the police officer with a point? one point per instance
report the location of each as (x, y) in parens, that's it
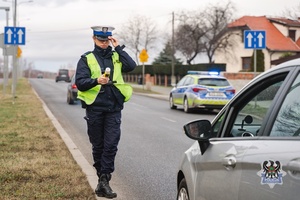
(103, 96)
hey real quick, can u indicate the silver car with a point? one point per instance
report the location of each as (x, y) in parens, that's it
(251, 150)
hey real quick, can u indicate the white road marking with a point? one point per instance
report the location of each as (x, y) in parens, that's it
(170, 120)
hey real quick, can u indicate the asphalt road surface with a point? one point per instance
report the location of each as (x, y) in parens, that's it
(152, 141)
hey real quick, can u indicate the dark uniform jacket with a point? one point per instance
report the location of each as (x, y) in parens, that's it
(109, 98)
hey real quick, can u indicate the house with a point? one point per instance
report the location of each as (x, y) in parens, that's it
(282, 38)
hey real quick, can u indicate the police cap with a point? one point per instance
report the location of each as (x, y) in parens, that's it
(102, 32)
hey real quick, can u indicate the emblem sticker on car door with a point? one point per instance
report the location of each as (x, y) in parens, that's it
(271, 173)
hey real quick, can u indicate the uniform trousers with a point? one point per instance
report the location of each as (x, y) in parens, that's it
(104, 131)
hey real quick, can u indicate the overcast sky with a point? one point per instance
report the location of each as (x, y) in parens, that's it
(58, 31)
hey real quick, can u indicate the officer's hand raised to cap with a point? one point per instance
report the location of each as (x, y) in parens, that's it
(113, 41)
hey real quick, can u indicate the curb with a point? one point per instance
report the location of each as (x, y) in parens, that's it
(157, 96)
(87, 169)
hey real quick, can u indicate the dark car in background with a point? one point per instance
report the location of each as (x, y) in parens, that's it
(251, 150)
(63, 75)
(40, 75)
(72, 91)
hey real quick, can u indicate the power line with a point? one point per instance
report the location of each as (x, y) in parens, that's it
(59, 31)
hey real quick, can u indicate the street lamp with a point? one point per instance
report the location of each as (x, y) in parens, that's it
(25, 2)
(29, 1)
(14, 58)
(14, 4)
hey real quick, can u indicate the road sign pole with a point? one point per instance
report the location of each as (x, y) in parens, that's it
(143, 58)
(255, 62)
(143, 77)
(15, 72)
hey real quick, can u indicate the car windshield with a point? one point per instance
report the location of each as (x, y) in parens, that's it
(213, 82)
(63, 71)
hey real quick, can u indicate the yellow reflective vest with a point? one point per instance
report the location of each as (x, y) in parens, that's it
(90, 95)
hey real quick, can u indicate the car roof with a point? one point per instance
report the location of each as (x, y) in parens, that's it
(289, 63)
(205, 74)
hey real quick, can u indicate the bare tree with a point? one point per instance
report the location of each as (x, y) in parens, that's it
(139, 33)
(203, 31)
(217, 19)
(189, 34)
(292, 13)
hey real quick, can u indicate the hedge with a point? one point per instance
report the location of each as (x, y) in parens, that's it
(179, 70)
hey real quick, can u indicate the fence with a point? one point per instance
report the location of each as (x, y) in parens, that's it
(165, 80)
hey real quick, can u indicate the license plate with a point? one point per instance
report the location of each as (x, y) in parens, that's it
(216, 94)
(63, 75)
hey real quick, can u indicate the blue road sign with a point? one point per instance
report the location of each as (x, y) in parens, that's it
(14, 35)
(255, 39)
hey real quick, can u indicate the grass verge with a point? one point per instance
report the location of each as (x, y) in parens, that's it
(34, 161)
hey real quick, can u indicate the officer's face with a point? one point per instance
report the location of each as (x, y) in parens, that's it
(101, 43)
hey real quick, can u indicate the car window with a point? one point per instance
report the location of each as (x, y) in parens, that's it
(181, 82)
(217, 125)
(248, 111)
(287, 122)
(249, 119)
(73, 78)
(213, 82)
(63, 71)
(189, 81)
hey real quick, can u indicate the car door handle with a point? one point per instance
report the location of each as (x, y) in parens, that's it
(229, 162)
(293, 168)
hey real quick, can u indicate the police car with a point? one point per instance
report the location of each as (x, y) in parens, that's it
(201, 90)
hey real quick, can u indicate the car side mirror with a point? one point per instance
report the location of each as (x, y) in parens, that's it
(198, 130)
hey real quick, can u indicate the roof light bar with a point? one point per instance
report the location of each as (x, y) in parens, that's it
(215, 73)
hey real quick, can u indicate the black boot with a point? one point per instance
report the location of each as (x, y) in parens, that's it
(103, 189)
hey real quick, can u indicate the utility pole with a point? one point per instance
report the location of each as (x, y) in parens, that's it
(14, 56)
(173, 52)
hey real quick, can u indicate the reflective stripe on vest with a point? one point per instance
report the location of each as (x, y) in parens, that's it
(90, 95)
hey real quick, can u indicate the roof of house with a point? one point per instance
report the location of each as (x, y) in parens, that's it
(275, 40)
(285, 21)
